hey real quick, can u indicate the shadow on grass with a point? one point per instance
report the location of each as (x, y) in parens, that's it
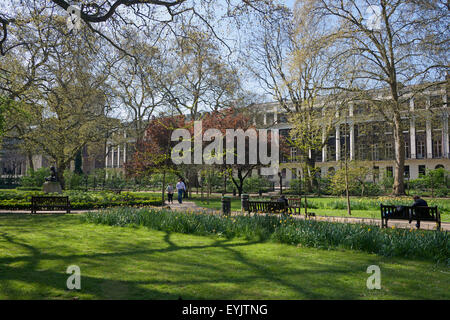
(311, 280)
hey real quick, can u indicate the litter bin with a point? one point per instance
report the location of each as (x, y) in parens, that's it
(244, 202)
(226, 206)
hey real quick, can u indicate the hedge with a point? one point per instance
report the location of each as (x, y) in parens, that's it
(23, 205)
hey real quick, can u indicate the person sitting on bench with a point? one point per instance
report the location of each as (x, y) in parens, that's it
(282, 198)
(418, 202)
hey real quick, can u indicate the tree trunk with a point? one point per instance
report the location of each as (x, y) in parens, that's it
(60, 168)
(399, 142)
(30, 160)
(163, 186)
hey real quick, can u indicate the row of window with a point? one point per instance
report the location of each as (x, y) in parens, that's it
(375, 152)
(376, 171)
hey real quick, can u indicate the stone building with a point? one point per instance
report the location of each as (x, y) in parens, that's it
(366, 137)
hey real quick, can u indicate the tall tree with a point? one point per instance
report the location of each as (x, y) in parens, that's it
(392, 44)
(68, 108)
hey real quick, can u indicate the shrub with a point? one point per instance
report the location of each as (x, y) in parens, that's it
(35, 178)
(29, 188)
(85, 205)
(254, 184)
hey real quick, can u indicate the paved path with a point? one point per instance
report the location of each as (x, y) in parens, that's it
(191, 206)
(187, 205)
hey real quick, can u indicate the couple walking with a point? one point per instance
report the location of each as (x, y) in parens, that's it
(181, 189)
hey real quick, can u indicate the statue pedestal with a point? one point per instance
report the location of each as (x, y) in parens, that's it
(51, 187)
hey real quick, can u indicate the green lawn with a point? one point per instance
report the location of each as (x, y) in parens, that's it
(138, 263)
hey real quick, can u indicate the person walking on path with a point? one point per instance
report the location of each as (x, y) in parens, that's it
(170, 193)
(180, 188)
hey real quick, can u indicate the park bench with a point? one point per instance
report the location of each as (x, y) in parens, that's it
(409, 213)
(50, 203)
(294, 204)
(266, 207)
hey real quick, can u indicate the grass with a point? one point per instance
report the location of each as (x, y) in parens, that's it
(138, 263)
(319, 234)
(327, 207)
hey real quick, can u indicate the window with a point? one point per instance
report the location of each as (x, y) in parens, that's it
(294, 173)
(294, 155)
(406, 173)
(376, 173)
(389, 172)
(375, 154)
(114, 165)
(407, 151)
(437, 148)
(331, 152)
(269, 118)
(282, 118)
(362, 152)
(420, 149)
(422, 170)
(389, 151)
(436, 101)
(420, 102)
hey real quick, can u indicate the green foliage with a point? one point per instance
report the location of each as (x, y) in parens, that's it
(356, 180)
(21, 200)
(78, 163)
(73, 180)
(387, 182)
(35, 178)
(295, 186)
(254, 184)
(435, 181)
(326, 235)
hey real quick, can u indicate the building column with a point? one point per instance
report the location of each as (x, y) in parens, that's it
(429, 139)
(112, 157)
(412, 131)
(118, 156)
(324, 149)
(352, 141)
(124, 152)
(445, 151)
(106, 157)
(338, 142)
(265, 118)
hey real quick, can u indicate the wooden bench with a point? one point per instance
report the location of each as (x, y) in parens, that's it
(294, 204)
(266, 207)
(51, 203)
(409, 213)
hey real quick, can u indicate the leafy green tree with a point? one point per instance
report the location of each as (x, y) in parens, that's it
(356, 179)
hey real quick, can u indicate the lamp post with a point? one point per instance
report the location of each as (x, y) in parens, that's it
(281, 182)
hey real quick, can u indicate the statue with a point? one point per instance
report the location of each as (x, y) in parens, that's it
(52, 177)
(51, 184)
